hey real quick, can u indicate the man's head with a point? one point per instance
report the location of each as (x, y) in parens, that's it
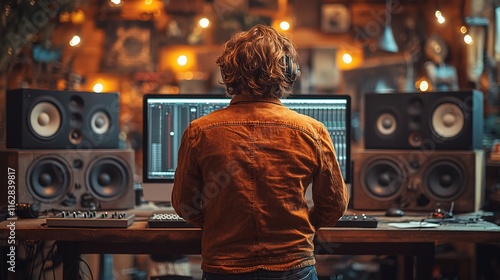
(259, 62)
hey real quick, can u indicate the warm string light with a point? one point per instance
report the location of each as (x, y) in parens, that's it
(182, 60)
(463, 29)
(98, 87)
(423, 85)
(204, 22)
(347, 58)
(284, 25)
(439, 16)
(467, 38)
(75, 41)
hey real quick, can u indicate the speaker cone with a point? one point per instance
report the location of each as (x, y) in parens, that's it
(100, 122)
(107, 179)
(48, 179)
(444, 180)
(45, 119)
(386, 124)
(383, 179)
(448, 120)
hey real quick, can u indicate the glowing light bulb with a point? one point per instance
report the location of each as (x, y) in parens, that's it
(439, 16)
(98, 87)
(284, 25)
(182, 60)
(468, 39)
(74, 41)
(204, 22)
(347, 58)
(423, 86)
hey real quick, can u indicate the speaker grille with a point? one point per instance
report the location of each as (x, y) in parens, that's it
(444, 180)
(383, 179)
(45, 119)
(448, 120)
(48, 179)
(386, 124)
(100, 122)
(107, 179)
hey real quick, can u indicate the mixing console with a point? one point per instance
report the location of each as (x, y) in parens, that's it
(91, 219)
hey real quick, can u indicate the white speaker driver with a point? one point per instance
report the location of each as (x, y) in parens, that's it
(45, 119)
(448, 120)
(100, 122)
(386, 124)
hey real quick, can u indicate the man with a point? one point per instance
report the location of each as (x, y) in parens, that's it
(243, 170)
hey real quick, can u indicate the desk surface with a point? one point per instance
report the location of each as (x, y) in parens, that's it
(139, 239)
(475, 230)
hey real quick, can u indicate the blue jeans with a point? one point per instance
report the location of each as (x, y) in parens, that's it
(306, 273)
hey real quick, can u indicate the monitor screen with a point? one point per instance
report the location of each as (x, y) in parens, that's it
(167, 116)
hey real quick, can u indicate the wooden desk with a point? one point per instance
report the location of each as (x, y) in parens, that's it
(417, 244)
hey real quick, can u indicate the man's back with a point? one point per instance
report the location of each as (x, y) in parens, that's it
(256, 160)
(243, 171)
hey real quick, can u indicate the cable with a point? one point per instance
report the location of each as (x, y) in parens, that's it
(450, 213)
(88, 267)
(33, 258)
(49, 256)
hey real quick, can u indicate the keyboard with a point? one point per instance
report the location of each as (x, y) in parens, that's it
(172, 220)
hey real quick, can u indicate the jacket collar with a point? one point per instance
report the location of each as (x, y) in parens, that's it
(243, 98)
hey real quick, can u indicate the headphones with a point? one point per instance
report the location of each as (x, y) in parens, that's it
(292, 69)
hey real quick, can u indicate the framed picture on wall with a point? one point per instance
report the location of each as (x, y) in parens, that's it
(335, 18)
(263, 4)
(182, 30)
(129, 46)
(263, 7)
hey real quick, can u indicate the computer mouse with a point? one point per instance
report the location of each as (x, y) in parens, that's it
(394, 212)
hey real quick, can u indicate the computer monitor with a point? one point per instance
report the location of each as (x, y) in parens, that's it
(166, 117)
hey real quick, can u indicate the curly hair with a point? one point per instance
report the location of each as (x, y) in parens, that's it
(253, 63)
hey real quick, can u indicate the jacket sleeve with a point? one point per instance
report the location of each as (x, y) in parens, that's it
(187, 190)
(329, 192)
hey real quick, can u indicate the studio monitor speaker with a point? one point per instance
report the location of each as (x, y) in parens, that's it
(424, 121)
(418, 180)
(49, 119)
(68, 179)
